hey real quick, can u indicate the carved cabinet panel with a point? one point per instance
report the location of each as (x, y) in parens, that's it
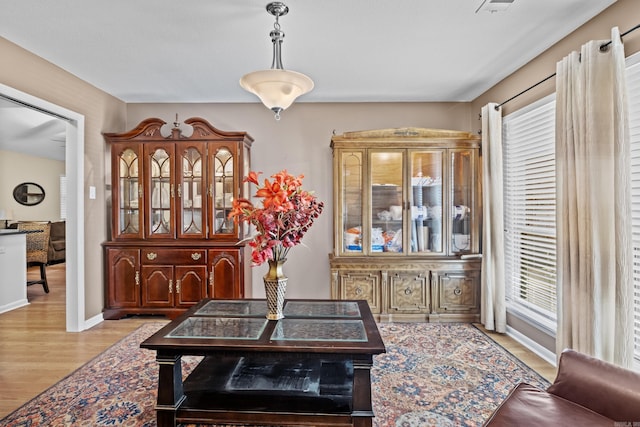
(409, 291)
(360, 285)
(457, 292)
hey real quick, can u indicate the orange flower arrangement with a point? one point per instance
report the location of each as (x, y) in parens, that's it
(286, 214)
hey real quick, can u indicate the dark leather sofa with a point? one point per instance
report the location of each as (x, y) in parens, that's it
(586, 392)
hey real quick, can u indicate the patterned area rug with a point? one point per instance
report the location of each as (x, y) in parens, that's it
(432, 375)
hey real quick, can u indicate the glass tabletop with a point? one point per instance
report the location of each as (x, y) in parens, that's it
(322, 309)
(240, 308)
(219, 328)
(233, 308)
(319, 330)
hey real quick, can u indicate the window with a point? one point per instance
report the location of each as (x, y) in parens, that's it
(530, 212)
(633, 92)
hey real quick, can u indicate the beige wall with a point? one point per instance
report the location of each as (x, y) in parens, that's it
(299, 142)
(28, 73)
(624, 14)
(16, 168)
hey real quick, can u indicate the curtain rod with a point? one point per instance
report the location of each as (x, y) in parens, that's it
(602, 48)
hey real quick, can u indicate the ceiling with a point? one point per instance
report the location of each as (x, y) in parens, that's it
(355, 50)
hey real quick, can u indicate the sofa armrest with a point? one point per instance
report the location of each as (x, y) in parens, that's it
(604, 388)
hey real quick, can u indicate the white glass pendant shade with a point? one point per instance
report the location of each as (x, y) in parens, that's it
(276, 88)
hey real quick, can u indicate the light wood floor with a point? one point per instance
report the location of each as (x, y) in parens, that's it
(36, 352)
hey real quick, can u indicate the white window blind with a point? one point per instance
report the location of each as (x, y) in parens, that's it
(530, 212)
(633, 92)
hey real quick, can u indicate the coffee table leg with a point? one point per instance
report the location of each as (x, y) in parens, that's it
(362, 409)
(170, 393)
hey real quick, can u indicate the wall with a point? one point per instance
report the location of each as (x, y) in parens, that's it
(33, 75)
(625, 15)
(16, 168)
(299, 142)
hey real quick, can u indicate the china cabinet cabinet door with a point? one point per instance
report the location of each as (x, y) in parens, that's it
(127, 192)
(426, 200)
(159, 202)
(190, 285)
(225, 274)
(223, 188)
(387, 213)
(123, 278)
(361, 284)
(409, 291)
(192, 197)
(457, 291)
(157, 285)
(462, 200)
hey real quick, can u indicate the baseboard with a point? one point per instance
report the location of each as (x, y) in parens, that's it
(93, 321)
(13, 305)
(539, 350)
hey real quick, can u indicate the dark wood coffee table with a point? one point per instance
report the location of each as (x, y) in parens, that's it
(311, 368)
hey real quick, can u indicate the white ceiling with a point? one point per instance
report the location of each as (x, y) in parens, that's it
(354, 50)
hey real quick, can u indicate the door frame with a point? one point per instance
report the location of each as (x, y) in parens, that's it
(74, 171)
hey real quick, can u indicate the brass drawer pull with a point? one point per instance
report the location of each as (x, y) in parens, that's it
(151, 256)
(457, 291)
(408, 291)
(196, 256)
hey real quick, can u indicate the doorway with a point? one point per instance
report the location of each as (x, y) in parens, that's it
(74, 172)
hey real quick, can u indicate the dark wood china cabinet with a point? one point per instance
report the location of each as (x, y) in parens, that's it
(172, 243)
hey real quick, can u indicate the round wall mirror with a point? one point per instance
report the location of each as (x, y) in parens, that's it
(28, 193)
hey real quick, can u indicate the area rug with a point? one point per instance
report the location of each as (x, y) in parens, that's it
(431, 375)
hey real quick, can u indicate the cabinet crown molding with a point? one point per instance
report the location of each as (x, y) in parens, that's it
(407, 132)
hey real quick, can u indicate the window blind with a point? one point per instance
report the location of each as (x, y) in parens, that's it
(530, 211)
(633, 93)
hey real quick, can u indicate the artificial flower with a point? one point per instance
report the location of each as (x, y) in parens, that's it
(285, 215)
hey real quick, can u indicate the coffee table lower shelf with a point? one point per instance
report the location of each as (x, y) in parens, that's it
(279, 389)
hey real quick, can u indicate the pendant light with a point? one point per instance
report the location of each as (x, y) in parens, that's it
(277, 88)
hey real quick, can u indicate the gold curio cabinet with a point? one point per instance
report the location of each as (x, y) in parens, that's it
(407, 223)
(172, 243)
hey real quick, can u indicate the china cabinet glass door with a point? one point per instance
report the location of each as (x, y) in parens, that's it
(160, 201)
(223, 190)
(387, 210)
(462, 172)
(129, 193)
(352, 188)
(426, 197)
(191, 192)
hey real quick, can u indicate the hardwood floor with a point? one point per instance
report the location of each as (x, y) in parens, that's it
(36, 352)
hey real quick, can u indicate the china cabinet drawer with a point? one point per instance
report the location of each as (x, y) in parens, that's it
(174, 256)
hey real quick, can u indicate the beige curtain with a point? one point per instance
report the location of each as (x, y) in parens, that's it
(595, 285)
(492, 303)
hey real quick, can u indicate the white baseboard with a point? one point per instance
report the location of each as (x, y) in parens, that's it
(13, 305)
(93, 321)
(541, 351)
